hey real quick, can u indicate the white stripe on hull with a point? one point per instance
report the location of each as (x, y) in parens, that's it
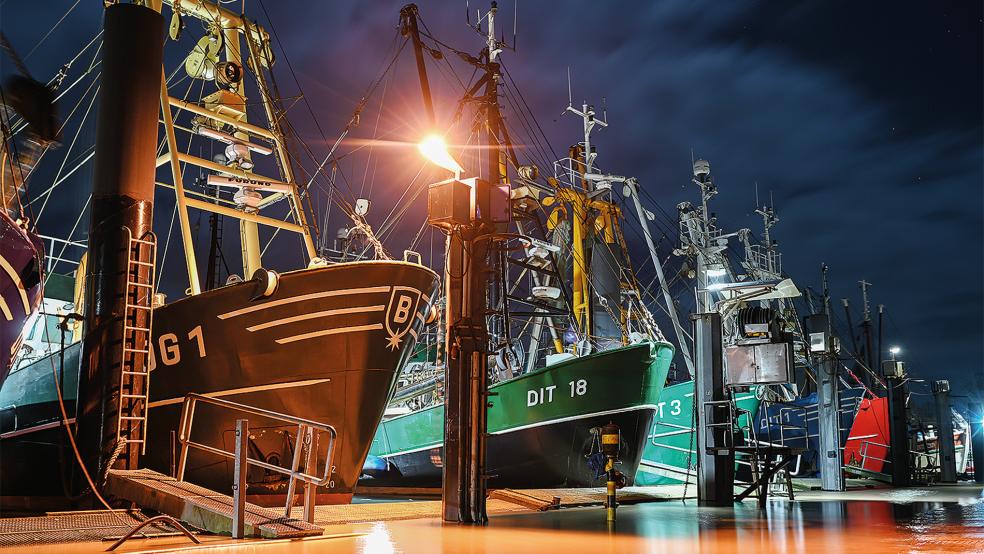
(36, 428)
(668, 471)
(17, 281)
(326, 332)
(6, 310)
(313, 315)
(244, 390)
(532, 425)
(302, 298)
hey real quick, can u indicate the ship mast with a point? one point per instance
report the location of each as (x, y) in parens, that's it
(221, 116)
(592, 209)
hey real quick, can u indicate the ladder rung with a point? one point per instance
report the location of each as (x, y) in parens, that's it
(132, 328)
(133, 418)
(132, 284)
(144, 373)
(140, 350)
(133, 395)
(137, 306)
(142, 241)
(137, 262)
(129, 441)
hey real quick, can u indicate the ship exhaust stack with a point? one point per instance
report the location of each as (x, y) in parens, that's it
(122, 212)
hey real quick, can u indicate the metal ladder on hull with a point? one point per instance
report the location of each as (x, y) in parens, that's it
(138, 316)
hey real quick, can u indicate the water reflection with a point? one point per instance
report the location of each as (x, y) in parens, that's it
(829, 526)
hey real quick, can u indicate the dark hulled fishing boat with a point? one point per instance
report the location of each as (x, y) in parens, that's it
(326, 345)
(323, 342)
(21, 251)
(20, 286)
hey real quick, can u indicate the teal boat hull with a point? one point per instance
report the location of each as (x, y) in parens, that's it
(669, 455)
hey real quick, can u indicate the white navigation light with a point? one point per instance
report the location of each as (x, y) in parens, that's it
(895, 350)
(434, 149)
(716, 272)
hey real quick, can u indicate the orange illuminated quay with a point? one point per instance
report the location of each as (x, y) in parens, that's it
(934, 519)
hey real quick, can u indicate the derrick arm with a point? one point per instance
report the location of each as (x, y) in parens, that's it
(408, 26)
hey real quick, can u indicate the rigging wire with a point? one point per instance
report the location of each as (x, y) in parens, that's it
(48, 34)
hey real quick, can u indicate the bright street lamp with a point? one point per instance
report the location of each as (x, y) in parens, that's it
(436, 151)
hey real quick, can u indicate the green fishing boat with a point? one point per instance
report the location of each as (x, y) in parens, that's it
(670, 453)
(542, 424)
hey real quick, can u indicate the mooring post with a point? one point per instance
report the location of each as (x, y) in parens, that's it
(898, 428)
(824, 349)
(977, 440)
(122, 198)
(944, 432)
(239, 480)
(715, 465)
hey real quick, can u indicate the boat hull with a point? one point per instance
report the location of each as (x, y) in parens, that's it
(670, 454)
(866, 447)
(540, 423)
(20, 286)
(325, 346)
(801, 427)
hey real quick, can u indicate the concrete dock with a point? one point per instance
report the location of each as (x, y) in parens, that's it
(865, 520)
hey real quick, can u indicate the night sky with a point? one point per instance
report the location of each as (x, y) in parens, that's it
(863, 120)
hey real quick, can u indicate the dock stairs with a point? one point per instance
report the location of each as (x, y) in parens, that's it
(201, 507)
(223, 514)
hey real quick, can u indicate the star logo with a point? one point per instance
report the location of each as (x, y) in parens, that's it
(393, 342)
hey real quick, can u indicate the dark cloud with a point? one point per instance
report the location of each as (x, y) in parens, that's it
(862, 120)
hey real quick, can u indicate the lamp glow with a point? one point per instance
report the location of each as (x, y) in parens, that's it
(894, 350)
(436, 151)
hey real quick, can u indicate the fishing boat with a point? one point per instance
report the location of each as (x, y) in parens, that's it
(796, 423)
(323, 341)
(29, 109)
(542, 425)
(670, 455)
(573, 347)
(21, 256)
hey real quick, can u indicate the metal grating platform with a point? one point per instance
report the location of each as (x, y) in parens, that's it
(66, 527)
(391, 511)
(547, 499)
(201, 507)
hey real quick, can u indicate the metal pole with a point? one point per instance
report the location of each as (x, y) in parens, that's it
(898, 432)
(828, 403)
(881, 317)
(463, 492)
(122, 197)
(187, 243)
(944, 432)
(409, 14)
(239, 480)
(310, 467)
(715, 468)
(682, 339)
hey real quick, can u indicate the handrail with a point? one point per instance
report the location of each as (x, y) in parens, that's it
(307, 434)
(187, 417)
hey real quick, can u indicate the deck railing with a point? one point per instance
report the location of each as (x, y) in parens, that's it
(307, 440)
